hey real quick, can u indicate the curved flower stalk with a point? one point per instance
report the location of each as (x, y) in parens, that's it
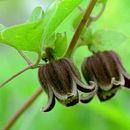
(106, 70)
(61, 80)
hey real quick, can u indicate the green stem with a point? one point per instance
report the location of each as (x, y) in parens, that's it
(80, 27)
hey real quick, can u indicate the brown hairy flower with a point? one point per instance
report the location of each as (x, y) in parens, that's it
(61, 80)
(106, 70)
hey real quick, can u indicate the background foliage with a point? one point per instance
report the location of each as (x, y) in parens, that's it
(113, 114)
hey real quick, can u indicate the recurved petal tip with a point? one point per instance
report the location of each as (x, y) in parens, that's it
(50, 103)
(88, 98)
(121, 82)
(83, 87)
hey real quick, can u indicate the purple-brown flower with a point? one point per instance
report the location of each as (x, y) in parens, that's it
(61, 80)
(106, 70)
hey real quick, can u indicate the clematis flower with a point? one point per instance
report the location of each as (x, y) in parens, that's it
(106, 70)
(61, 80)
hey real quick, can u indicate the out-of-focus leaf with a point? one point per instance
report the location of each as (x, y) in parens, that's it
(37, 14)
(101, 40)
(106, 39)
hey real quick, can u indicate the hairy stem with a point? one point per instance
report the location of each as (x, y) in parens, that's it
(23, 108)
(80, 27)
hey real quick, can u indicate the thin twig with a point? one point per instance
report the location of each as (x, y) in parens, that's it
(29, 62)
(32, 66)
(80, 27)
(96, 17)
(15, 75)
(23, 108)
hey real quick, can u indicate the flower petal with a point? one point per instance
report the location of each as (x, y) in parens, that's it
(51, 102)
(76, 76)
(70, 65)
(127, 81)
(94, 69)
(62, 83)
(118, 83)
(88, 98)
(68, 99)
(116, 74)
(46, 87)
(84, 88)
(122, 70)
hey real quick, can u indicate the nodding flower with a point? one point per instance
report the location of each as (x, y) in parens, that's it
(61, 80)
(106, 70)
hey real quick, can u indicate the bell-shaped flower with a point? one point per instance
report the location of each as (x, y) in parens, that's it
(61, 80)
(106, 70)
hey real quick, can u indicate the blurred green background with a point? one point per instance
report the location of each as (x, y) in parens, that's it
(111, 115)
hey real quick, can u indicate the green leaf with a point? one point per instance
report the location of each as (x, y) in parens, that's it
(25, 37)
(36, 15)
(101, 40)
(106, 39)
(57, 13)
(60, 45)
